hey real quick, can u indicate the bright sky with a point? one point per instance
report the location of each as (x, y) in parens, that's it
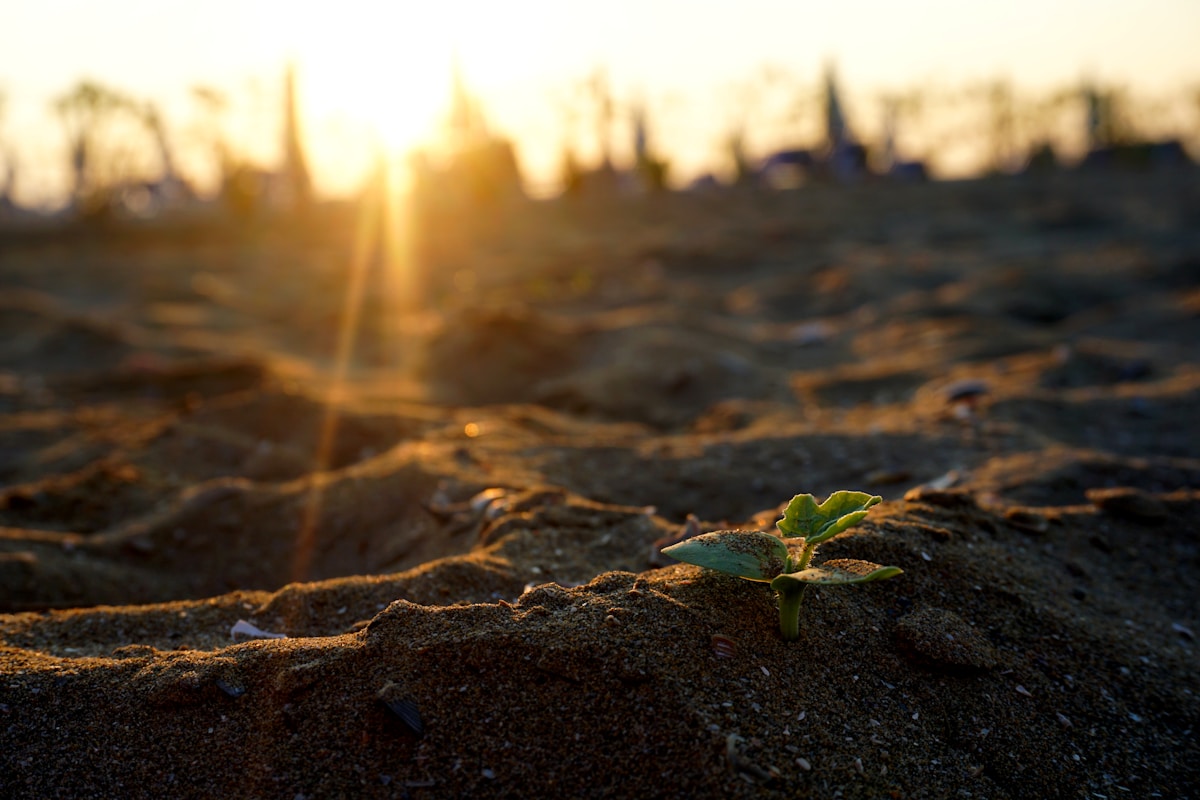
(384, 67)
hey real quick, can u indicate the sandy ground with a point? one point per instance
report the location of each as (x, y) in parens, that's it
(459, 539)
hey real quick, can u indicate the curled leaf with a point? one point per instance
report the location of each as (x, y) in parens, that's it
(816, 523)
(835, 573)
(752, 555)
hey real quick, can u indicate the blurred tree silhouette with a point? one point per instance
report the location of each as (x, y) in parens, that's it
(213, 105)
(570, 171)
(771, 110)
(615, 168)
(741, 102)
(484, 164)
(651, 167)
(901, 111)
(1193, 132)
(1110, 122)
(998, 95)
(8, 179)
(735, 147)
(92, 115)
(597, 86)
(298, 179)
(591, 100)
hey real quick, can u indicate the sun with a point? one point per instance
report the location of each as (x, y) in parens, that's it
(375, 73)
(372, 81)
(377, 78)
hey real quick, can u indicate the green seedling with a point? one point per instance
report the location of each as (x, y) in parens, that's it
(785, 561)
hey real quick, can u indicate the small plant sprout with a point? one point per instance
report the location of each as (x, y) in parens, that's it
(786, 563)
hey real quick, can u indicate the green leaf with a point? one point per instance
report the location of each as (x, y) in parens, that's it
(816, 523)
(835, 573)
(752, 555)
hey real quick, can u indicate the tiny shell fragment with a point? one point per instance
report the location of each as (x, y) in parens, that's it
(490, 502)
(403, 708)
(252, 631)
(723, 646)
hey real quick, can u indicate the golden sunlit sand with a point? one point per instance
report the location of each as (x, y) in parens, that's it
(451, 510)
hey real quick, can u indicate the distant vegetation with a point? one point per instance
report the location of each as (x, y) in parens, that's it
(120, 150)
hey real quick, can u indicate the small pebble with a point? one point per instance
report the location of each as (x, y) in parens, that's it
(946, 498)
(1128, 502)
(964, 390)
(887, 477)
(1027, 520)
(944, 481)
(810, 333)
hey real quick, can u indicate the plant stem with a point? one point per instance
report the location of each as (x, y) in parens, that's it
(805, 557)
(789, 613)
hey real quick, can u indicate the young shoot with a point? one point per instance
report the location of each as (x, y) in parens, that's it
(767, 558)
